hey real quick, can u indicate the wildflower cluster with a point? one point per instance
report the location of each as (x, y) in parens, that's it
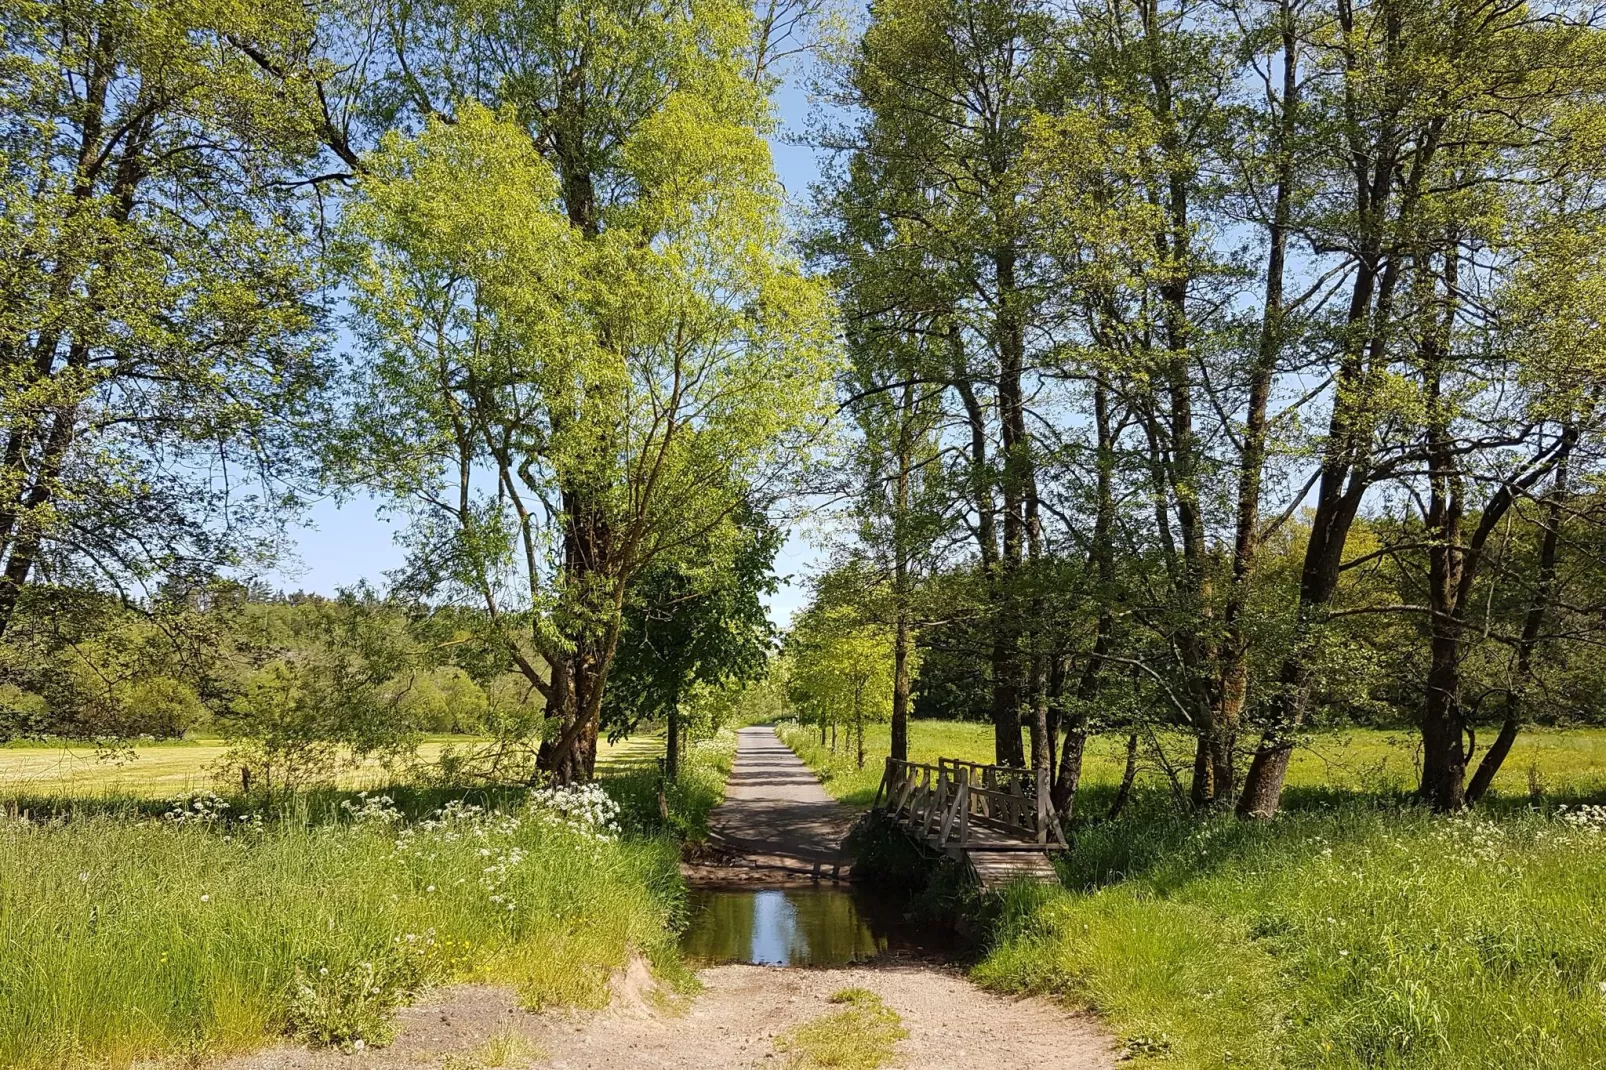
(1589, 819)
(372, 809)
(193, 807)
(583, 809)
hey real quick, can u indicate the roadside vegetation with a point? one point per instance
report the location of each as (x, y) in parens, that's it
(1355, 930)
(1347, 937)
(139, 930)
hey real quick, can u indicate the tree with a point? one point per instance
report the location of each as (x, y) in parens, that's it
(684, 628)
(588, 347)
(840, 669)
(1423, 151)
(159, 342)
(945, 91)
(893, 385)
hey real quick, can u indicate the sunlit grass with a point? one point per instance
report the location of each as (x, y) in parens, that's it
(163, 770)
(1354, 931)
(1566, 763)
(128, 936)
(503, 1049)
(1340, 939)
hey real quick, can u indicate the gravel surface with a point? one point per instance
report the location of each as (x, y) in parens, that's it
(776, 823)
(731, 1024)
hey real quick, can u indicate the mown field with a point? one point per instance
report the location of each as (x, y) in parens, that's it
(1353, 931)
(134, 929)
(163, 770)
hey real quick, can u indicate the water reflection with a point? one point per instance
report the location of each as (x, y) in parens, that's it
(816, 926)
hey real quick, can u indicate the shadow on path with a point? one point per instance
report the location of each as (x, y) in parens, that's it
(776, 814)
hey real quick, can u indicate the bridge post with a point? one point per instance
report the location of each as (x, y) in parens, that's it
(886, 784)
(1044, 804)
(964, 808)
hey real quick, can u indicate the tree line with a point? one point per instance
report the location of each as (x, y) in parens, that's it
(1227, 367)
(1219, 366)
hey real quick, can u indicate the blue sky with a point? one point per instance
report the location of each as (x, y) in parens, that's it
(340, 545)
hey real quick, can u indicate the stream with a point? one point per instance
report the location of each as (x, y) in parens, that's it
(817, 925)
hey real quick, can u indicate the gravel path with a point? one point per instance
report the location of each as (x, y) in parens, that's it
(730, 1025)
(776, 821)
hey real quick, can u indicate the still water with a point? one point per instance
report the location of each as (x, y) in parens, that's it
(814, 926)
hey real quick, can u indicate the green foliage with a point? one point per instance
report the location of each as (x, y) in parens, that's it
(159, 344)
(589, 350)
(839, 666)
(688, 799)
(693, 626)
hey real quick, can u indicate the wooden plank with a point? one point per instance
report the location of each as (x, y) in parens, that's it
(996, 870)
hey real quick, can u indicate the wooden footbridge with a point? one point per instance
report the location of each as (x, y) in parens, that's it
(996, 819)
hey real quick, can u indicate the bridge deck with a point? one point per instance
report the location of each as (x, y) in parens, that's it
(998, 819)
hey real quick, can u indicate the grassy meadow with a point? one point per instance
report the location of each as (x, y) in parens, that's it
(133, 931)
(1562, 764)
(1353, 931)
(162, 770)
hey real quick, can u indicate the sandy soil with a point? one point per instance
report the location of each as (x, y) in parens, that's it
(731, 1024)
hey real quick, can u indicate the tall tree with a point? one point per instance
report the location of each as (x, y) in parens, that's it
(158, 335)
(945, 92)
(690, 621)
(1424, 142)
(588, 345)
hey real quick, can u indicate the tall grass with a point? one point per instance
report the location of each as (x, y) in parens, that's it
(127, 935)
(1354, 931)
(1352, 938)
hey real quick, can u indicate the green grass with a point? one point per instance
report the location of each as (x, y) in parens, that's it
(1348, 938)
(165, 769)
(1354, 931)
(126, 936)
(862, 1036)
(503, 1049)
(1562, 763)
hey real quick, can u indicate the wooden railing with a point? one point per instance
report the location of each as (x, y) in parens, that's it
(968, 804)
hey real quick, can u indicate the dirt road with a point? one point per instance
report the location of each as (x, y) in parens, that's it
(776, 821)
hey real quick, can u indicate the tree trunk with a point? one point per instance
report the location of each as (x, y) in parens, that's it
(1346, 469)
(901, 649)
(1232, 693)
(902, 642)
(858, 724)
(1069, 776)
(1006, 624)
(1532, 625)
(1128, 776)
(672, 743)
